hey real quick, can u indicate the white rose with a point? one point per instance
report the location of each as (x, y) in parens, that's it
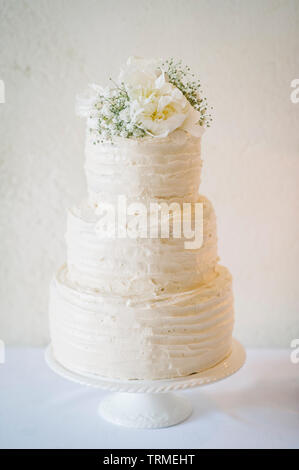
(155, 103)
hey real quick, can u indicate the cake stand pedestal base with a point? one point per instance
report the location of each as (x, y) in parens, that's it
(145, 410)
(148, 403)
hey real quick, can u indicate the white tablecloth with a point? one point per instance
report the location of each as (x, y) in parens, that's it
(258, 407)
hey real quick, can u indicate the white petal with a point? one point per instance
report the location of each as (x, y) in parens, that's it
(160, 81)
(139, 71)
(161, 128)
(163, 102)
(191, 123)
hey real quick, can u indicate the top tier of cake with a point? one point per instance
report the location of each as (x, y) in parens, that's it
(144, 169)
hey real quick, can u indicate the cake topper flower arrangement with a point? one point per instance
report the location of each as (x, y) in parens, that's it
(151, 98)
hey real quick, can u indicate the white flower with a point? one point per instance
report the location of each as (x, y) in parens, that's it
(155, 104)
(147, 101)
(140, 72)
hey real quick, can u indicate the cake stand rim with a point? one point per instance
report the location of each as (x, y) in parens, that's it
(227, 367)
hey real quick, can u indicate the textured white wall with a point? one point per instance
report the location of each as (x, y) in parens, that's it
(246, 53)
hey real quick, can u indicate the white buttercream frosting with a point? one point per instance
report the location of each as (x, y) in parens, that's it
(144, 308)
(144, 266)
(164, 169)
(127, 337)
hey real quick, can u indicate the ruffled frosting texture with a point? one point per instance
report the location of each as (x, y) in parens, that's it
(145, 308)
(144, 266)
(144, 169)
(129, 338)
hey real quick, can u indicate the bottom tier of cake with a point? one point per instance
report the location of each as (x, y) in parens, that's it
(134, 338)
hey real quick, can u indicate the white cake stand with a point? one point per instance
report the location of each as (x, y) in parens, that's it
(145, 403)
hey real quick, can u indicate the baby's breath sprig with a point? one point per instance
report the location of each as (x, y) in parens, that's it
(181, 77)
(113, 116)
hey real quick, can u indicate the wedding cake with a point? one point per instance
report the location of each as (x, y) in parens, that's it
(134, 300)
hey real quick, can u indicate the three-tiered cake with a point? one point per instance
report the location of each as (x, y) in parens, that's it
(142, 307)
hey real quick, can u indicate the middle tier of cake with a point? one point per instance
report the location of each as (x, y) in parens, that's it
(142, 266)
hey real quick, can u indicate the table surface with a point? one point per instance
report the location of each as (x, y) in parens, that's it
(258, 407)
